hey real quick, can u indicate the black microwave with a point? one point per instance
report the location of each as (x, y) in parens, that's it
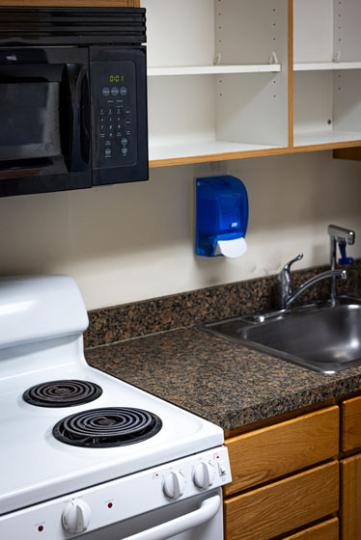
(73, 98)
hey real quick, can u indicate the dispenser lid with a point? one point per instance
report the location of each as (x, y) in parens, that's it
(213, 187)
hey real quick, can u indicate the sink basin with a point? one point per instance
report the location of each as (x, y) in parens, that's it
(322, 338)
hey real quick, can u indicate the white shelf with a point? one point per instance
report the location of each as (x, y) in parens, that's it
(325, 137)
(201, 148)
(213, 70)
(326, 66)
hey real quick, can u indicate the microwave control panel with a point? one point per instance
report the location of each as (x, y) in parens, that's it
(114, 114)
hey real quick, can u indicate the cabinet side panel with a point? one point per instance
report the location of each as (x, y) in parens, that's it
(248, 31)
(313, 101)
(313, 30)
(252, 109)
(181, 109)
(347, 96)
(347, 35)
(180, 32)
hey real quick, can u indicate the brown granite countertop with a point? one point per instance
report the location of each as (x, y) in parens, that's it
(225, 383)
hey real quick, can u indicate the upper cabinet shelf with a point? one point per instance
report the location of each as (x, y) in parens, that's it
(212, 70)
(218, 78)
(326, 66)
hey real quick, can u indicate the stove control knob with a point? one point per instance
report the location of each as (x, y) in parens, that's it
(204, 474)
(76, 517)
(174, 484)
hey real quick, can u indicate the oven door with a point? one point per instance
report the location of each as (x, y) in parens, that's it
(44, 120)
(197, 518)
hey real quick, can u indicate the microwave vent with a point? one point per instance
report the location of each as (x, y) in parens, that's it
(72, 26)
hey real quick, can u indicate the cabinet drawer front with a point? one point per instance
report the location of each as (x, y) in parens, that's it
(284, 505)
(284, 448)
(351, 498)
(351, 424)
(328, 530)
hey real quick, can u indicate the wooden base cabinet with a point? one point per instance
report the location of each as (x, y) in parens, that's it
(285, 480)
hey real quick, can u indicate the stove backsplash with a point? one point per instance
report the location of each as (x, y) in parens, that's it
(128, 321)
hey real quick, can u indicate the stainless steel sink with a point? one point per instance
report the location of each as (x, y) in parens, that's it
(322, 338)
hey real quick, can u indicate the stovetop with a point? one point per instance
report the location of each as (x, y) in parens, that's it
(35, 466)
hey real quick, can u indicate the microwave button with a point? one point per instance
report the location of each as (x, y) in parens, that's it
(118, 134)
(123, 91)
(124, 141)
(107, 143)
(107, 152)
(114, 91)
(124, 152)
(106, 91)
(128, 122)
(110, 111)
(128, 110)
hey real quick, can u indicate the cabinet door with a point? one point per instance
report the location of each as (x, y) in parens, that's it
(351, 424)
(268, 453)
(351, 498)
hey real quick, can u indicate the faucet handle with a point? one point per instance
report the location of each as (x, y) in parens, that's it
(287, 267)
(285, 284)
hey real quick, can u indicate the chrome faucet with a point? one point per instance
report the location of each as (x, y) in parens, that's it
(339, 236)
(287, 293)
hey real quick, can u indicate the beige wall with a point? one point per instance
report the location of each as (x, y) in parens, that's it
(135, 241)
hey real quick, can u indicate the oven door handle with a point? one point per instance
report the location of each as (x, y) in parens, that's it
(204, 513)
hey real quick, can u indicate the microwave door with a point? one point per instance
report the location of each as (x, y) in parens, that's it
(44, 120)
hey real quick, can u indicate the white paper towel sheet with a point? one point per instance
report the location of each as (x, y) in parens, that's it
(232, 248)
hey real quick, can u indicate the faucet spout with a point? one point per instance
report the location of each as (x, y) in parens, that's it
(338, 236)
(341, 234)
(333, 274)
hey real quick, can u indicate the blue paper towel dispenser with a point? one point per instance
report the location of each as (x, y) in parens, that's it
(221, 212)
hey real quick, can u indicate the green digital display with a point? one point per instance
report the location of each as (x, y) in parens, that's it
(116, 78)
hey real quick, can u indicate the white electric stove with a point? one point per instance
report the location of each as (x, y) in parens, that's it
(83, 454)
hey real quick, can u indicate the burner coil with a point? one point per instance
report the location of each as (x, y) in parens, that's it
(64, 393)
(107, 427)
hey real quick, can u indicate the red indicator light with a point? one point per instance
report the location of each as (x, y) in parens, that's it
(40, 528)
(110, 505)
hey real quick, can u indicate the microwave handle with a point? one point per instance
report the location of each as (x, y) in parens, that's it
(79, 149)
(207, 510)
